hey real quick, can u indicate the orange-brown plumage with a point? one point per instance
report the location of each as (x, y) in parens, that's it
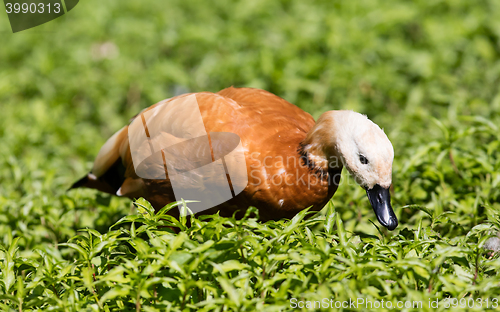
(287, 155)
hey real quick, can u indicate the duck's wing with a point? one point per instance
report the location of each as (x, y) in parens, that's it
(111, 172)
(169, 142)
(273, 110)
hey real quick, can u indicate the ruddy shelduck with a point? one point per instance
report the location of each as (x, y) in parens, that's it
(292, 162)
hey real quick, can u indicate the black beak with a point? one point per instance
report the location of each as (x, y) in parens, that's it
(380, 198)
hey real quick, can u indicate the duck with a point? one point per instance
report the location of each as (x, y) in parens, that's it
(243, 147)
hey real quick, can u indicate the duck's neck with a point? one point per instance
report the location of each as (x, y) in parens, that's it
(319, 148)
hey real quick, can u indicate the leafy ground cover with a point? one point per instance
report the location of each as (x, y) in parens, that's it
(427, 72)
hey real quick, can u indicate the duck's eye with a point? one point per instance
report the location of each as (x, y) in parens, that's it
(363, 159)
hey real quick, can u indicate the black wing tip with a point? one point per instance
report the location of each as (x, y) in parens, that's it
(80, 183)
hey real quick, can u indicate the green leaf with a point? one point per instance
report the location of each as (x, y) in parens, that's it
(114, 293)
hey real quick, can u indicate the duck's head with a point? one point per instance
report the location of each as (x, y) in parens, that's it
(366, 152)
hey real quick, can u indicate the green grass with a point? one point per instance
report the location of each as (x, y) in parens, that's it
(428, 72)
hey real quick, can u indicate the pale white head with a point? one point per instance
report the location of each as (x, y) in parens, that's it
(364, 148)
(349, 139)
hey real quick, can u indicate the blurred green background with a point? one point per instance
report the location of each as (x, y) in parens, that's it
(428, 72)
